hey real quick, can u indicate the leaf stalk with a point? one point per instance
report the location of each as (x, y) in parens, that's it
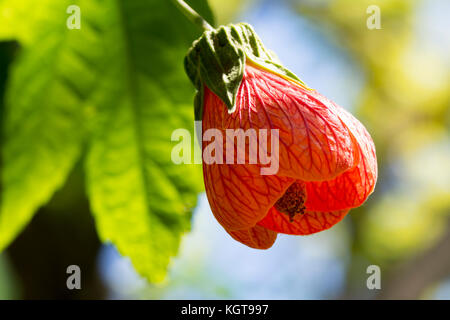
(192, 15)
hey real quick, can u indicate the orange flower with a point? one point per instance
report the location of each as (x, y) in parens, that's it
(327, 161)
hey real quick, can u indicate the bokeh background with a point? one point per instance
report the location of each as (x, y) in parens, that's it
(396, 80)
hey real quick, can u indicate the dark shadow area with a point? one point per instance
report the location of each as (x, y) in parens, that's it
(8, 51)
(61, 234)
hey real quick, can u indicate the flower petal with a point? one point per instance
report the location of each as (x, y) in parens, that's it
(239, 196)
(351, 188)
(315, 145)
(319, 141)
(256, 237)
(303, 224)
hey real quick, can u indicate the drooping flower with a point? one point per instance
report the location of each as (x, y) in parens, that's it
(326, 158)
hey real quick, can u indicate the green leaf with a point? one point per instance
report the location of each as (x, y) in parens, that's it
(141, 200)
(27, 20)
(118, 86)
(44, 121)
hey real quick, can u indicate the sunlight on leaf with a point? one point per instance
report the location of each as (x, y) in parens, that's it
(117, 89)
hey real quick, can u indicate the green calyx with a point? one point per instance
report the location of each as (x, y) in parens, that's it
(217, 59)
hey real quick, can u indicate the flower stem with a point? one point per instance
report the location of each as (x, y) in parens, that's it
(192, 15)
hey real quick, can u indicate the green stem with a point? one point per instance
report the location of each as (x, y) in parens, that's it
(192, 15)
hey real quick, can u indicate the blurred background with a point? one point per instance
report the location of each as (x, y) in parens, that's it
(396, 81)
